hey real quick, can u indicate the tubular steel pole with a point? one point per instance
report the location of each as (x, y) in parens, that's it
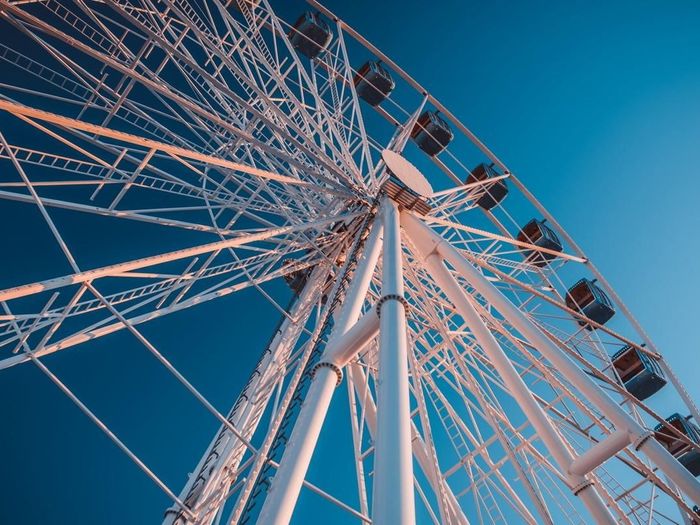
(223, 457)
(580, 486)
(640, 438)
(289, 478)
(420, 451)
(393, 501)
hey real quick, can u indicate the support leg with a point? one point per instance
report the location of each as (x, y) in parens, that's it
(393, 501)
(420, 449)
(640, 438)
(286, 485)
(581, 486)
(216, 470)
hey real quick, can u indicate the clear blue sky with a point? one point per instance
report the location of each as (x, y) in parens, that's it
(596, 105)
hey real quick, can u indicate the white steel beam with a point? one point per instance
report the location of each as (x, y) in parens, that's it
(599, 453)
(579, 485)
(420, 448)
(120, 268)
(640, 438)
(288, 480)
(393, 500)
(175, 151)
(218, 468)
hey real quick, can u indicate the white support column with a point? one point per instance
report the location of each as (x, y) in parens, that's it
(639, 437)
(217, 468)
(420, 449)
(393, 500)
(289, 478)
(551, 438)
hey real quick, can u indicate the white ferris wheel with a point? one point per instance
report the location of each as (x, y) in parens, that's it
(491, 374)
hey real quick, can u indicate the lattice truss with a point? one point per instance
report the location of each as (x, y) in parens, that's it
(202, 120)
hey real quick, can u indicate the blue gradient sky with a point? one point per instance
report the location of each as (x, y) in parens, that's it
(596, 105)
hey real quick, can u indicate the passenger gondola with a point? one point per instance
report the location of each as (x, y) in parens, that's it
(431, 133)
(492, 193)
(373, 83)
(310, 34)
(640, 374)
(687, 456)
(591, 301)
(538, 233)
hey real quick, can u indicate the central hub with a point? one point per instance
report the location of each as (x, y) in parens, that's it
(407, 186)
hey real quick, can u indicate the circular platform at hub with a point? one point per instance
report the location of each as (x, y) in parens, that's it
(407, 173)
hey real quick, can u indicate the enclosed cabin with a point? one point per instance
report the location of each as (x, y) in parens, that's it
(494, 192)
(538, 233)
(640, 373)
(687, 456)
(310, 34)
(585, 296)
(696, 515)
(431, 133)
(295, 279)
(373, 83)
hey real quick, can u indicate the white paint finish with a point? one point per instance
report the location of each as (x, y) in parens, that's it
(573, 373)
(120, 268)
(393, 501)
(516, 386)
(407, 173)
(599, 453)
(286, 485)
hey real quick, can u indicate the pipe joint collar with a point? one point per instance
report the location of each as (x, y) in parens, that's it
(391, 297)
(581, 487)
(326, 364)
(643, 438)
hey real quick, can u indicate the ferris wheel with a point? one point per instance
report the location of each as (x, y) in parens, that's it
(489, 372)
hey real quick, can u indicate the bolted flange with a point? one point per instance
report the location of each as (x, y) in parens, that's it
(335, 368)
(391, 297)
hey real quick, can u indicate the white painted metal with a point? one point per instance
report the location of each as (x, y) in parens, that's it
(637, 435)
(581, 486)
(346, 340)
(123, 268)
(407, 173)
(217, 469)
(287, 483)
(420, 451)
(393, 502)
(600, 453)
(201, 119)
